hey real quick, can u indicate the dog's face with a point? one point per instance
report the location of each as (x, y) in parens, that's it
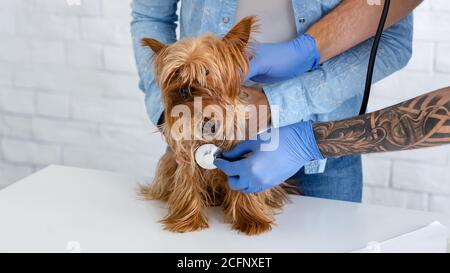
(208, 67)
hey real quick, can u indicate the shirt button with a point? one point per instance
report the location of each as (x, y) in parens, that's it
(226, 19)
(302, 20)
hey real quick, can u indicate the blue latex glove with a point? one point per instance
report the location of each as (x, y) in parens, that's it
(282, 61)
(266, 169)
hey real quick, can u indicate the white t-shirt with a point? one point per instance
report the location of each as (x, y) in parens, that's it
(276, 19)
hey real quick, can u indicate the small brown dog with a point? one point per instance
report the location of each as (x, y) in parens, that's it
(211, 68)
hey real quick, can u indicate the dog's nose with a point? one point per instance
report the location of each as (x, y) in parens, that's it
(185, 93)
(211, 128)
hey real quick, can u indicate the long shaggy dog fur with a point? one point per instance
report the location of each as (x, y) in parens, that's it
(212, 68)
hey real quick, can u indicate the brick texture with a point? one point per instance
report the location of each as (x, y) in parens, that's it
(69, 90)
(418, 179)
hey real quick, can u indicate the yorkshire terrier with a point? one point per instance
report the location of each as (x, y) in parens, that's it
(213, 69)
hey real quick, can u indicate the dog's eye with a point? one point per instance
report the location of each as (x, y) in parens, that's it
(207, 72)
(185, 93)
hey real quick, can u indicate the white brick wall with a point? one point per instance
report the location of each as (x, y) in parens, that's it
(68, 90)
(25, 151)
(68, 95)
(415, 179)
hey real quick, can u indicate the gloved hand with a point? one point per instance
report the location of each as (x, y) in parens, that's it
(266, 169)
(281, 61)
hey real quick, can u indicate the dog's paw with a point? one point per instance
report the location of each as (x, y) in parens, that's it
(252, 228)
(188, 225)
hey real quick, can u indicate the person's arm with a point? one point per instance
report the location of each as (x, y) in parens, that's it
(420, 122)
(417, 123)
(151, 19)
(358, 21)
(349, 24)
(340, 78)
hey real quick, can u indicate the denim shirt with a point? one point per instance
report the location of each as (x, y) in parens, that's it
(334, 91)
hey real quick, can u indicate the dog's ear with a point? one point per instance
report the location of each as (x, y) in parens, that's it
(239, 35)
(155, 45)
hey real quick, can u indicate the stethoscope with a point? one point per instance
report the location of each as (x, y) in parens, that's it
(207, 153)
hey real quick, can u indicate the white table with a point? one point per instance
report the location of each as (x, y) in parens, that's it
(62, 208)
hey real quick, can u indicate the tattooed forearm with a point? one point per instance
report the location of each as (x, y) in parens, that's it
(420, 122)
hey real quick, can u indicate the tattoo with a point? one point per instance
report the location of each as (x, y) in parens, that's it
(420, 122)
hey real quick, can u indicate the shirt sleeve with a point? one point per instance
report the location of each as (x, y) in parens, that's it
(341, 78)
(152, 19)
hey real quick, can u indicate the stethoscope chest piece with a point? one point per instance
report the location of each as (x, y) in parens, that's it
(205, 155)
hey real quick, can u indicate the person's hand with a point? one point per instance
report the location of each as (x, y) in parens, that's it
(277, 62)
(255, 96)
(265, 168)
